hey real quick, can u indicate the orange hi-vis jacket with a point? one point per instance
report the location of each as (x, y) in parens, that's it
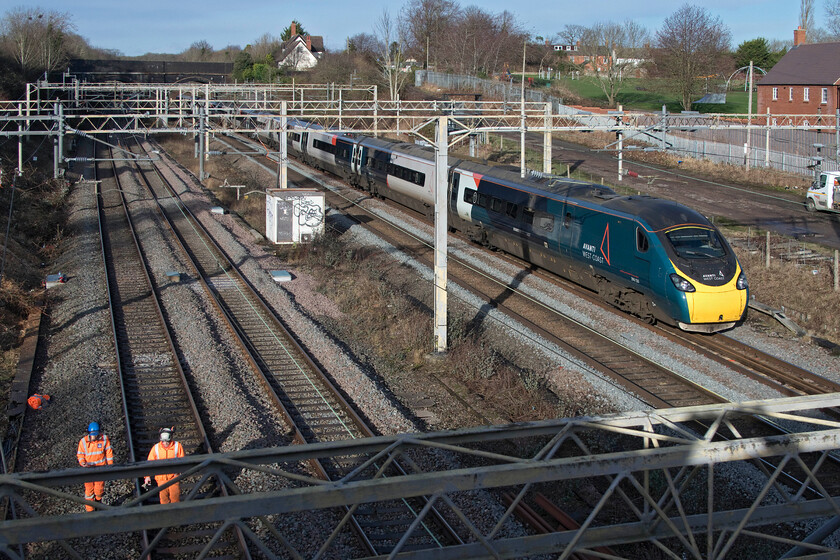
(36, 401)
(160, 452)
(95, 452)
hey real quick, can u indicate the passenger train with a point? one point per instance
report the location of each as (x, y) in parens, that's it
(654, 258)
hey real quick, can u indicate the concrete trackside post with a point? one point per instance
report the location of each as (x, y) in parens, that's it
(284, 146)
(55, 141)
(20, 139)
(201, 129)
(441, 228)
(547, 140)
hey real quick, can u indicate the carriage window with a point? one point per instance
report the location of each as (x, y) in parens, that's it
(511, 209)
(567, 220)
(528, 216)
(482, 200)
(642, 244)
(495, 204)
(323, 146)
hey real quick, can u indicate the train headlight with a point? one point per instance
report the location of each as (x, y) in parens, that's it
(681, 283)
(741, 284)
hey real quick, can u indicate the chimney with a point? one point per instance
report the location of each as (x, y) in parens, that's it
(308, 43)
(293, 29)
(798, 36)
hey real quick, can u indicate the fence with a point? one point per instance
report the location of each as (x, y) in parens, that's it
(789, 150)
(789, 250)
(506, 91)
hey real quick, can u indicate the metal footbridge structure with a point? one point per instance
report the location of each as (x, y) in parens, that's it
(688, 492)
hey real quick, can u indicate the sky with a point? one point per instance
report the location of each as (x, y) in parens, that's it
(171, 26)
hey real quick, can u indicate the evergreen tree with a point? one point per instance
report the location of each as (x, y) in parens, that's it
(756, 50)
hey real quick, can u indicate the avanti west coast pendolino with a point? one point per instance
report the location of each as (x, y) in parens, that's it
(654, 258)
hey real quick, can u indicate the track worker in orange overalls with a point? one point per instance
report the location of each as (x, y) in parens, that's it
(95, 451)
(38, 400)
(166, 448)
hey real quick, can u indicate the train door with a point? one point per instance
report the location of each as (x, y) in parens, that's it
(569, 230)
(357, 158)
(465, 187)
(642, 258)
(304, 145)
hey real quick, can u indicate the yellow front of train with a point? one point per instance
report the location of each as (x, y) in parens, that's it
(713, 308)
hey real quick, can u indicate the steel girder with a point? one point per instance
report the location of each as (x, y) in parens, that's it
(661, 482)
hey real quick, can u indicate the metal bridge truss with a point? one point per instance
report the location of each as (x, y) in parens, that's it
(678, 483)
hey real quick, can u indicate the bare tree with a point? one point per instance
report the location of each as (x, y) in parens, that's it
(266, 44)
(35, 38)
(391, 56)
(502, 43)
(365, 45)
(199, 51)
(692, 44)
(612, 50)
(806, 15)
(832, 8)
(572, 34)
(467, 47)
(425, 25)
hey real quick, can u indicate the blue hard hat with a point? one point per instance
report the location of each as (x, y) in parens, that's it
(93, 428)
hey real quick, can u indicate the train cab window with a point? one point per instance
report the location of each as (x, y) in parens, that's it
(469, 195)
(528, 216)
(642, 243)
(696, 243)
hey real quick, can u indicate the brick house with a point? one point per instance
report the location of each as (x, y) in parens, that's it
(587, 62)
(632, 64)
(806, 81)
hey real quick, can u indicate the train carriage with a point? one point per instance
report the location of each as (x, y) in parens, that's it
(400, 171)
(654, 258)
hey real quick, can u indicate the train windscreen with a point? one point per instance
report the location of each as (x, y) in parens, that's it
(696, 243)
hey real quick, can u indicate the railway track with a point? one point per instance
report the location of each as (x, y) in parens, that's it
(652, 383)
(295, 383)
(155, 390)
